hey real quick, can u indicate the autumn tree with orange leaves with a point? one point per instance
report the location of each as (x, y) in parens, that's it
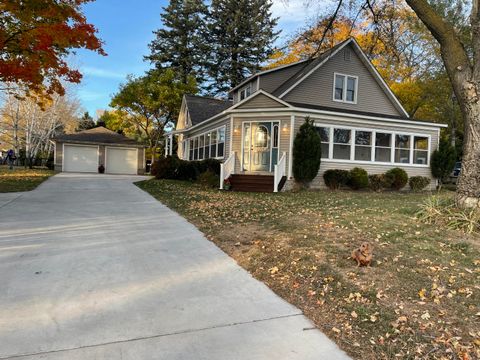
(36, 36)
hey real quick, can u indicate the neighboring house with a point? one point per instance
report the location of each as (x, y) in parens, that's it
(86, 150)
(359, 119)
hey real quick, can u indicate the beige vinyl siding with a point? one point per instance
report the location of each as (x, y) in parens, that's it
(237, 136)
(372, 168)
(272, 80)
(317, 89)
(208, 128)
(261, 101)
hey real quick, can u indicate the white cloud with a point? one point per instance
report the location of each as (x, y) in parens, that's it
(102, 73)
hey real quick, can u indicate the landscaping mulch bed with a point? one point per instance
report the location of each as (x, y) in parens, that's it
(419, 300)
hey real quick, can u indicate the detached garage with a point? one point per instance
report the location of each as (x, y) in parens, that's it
(86, 150)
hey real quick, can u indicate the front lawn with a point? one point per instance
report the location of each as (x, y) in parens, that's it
(420, 299)
(21, 179)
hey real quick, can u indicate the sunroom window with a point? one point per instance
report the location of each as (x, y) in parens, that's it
(324, 133)
(341, 144)
(383, 147)
(221, 142)
(363, 145)
(420, 150)
(402, 149)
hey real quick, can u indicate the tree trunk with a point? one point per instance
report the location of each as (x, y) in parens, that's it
(468, 186)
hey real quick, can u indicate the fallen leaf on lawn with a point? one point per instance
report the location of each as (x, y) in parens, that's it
(273, 270)
(354, 314)
(335, 330)
(425, 315)
(373, 318)
(422, 294)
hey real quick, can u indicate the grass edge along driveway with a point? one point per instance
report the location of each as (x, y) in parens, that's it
(22, 179)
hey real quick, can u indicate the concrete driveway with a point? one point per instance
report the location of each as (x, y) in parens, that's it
(91, 267)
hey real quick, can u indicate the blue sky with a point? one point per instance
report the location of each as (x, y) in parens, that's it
(126, 28)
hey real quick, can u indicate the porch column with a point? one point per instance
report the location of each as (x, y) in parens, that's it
(170, 147)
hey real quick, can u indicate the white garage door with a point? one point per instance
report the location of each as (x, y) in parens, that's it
(80, 158)
(121, 161)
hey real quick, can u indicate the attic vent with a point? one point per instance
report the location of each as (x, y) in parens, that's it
(346, 54)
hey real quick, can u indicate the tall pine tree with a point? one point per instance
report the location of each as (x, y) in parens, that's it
(241, 35)
(180, 44)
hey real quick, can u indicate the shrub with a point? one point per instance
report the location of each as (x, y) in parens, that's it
(377, 182)
(397, 178)
(212, 165)
(165, 168)
(358, 178)
(307, 151)
(443, 161)
(209, 179)
(336, 178)
(418, 183)
(186, 170)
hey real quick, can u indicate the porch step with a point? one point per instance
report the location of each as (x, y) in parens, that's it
(254, 183)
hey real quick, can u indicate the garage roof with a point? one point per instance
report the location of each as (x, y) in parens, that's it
(98, 135)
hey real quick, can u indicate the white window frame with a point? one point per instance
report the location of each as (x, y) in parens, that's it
(374, 131)
(247, 90)
(345, 82)
(205, 136)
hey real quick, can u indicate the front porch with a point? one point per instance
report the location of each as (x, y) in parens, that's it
(259, 157)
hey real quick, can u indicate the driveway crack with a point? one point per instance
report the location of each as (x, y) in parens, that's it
(188, 331)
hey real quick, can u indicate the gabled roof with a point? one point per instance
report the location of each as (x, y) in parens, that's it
(317, 62)
(98, 135)
(202, 108)
(308, 68)
(263, 72)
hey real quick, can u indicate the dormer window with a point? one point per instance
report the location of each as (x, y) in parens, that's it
(245, 92)
(345, 88)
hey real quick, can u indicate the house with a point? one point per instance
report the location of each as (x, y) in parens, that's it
(360, 121)
(86, 150)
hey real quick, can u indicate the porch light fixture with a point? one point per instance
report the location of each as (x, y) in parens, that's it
(236, 128)
(285, 127)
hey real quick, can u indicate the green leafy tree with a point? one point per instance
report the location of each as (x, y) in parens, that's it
(241, 36)
(443, 161)
(117, 120)
(85, 122)
(307, 151)
(152, 102)
(180, 44)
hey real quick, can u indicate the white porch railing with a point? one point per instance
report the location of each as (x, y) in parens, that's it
(279, 171)
(227, 168)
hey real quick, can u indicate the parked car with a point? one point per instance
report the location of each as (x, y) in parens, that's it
(456, 172)
(457, 169)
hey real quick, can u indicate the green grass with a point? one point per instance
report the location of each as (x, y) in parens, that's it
(21, 179)
(299, 245)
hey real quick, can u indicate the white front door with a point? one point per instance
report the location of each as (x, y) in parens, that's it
(121, 161)
(260, 145)
(80, 158)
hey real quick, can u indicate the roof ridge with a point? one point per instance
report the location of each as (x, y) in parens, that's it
(207, 97)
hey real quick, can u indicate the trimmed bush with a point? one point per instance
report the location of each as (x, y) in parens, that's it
(165, 168)
(186, 170)
(418, 183)
(307, 151)
(397, 178)
(358, 178)
(443, 161)
(212, 165)
(336, 178)
(377, 182)
(209, 179)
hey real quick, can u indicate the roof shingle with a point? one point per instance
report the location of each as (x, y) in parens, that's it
(98, 135)
(203, 108)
